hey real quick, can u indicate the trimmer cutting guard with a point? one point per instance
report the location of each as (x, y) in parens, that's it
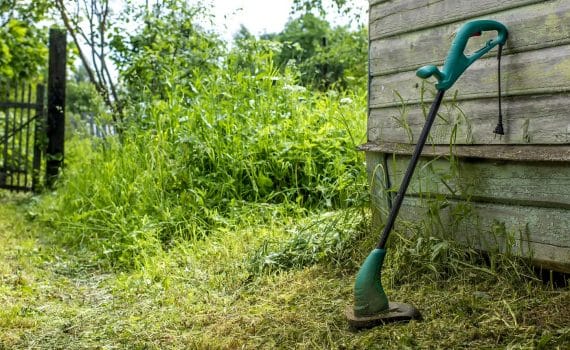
(369, 296)
(396, 312)
(371, 306)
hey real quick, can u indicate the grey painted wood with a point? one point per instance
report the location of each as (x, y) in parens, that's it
(548, 256)
(375, 2)
(489, 219)
(540, 184)
(537, 26)
(397, 17)
(543, 119)
(534, 224)
(529, 73)
(525, 231)
(520, 153)
(537, 231)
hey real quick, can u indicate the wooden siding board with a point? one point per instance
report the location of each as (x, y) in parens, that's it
(529, 73)
(520, 183)
(396, 17)
(543, 119)
(528, 230)
(538, 26)
(540, 232)
(531, 224)
(521, 153)
(531, 201)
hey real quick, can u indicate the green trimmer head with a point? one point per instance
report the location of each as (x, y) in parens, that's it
(371, 306)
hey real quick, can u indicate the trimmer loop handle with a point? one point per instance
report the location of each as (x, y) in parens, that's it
(456, 62)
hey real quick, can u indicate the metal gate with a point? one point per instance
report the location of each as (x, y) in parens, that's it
(22, 136)
(28, 131)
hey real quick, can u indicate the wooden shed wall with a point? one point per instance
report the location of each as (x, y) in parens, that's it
(518, 181)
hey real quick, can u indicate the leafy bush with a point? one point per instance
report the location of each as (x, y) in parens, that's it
(192, 157)
(23, 52)
(169, 49)
(326, 57)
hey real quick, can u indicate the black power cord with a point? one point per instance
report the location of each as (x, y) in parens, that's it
(499, 129)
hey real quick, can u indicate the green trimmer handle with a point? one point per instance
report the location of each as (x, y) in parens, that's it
(456, 62)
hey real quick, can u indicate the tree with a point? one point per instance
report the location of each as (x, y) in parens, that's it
(23, 52)
(310, 5)
(87, 22)
(345, 7)
(325, 56)
(243, 34)
(305, 36)
(168, 48)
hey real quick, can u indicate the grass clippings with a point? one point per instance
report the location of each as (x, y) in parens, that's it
(204, 297)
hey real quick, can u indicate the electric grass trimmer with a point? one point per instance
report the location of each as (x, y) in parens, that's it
(371, 305)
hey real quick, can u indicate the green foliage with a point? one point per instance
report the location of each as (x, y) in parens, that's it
(249, 55)
(305, 35)
(85, 108)
(319, 6)
(198, 156)
(327, 238)
(82, 98)
(29, 11)
(326, 57)
(201, 295)
(169, 49)
(23, 50)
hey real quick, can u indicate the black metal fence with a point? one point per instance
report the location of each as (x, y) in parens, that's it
(22, 121)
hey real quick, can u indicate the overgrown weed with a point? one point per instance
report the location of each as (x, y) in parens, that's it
(198, 159)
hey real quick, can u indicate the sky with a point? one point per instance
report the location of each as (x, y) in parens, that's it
(259, 16)
(263, 16)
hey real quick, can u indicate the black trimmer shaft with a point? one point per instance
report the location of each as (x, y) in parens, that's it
(410, 171)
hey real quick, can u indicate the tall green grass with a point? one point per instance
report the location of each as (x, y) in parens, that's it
(227, 149)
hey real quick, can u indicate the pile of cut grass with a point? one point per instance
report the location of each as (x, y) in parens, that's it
(204, 295)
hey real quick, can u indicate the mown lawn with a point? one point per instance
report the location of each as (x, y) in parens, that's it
(205, 296)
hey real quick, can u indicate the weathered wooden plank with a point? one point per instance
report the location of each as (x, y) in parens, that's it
(541, 184)
(537, 232)
(376, 2)
(526, 231)
(544, 119)
(527, 73)
(397, 17)
(522, 153)
(548, 256)
(519, 207)
(537, 26)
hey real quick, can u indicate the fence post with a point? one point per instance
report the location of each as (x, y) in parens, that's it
(39, 128)
(56, 104)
